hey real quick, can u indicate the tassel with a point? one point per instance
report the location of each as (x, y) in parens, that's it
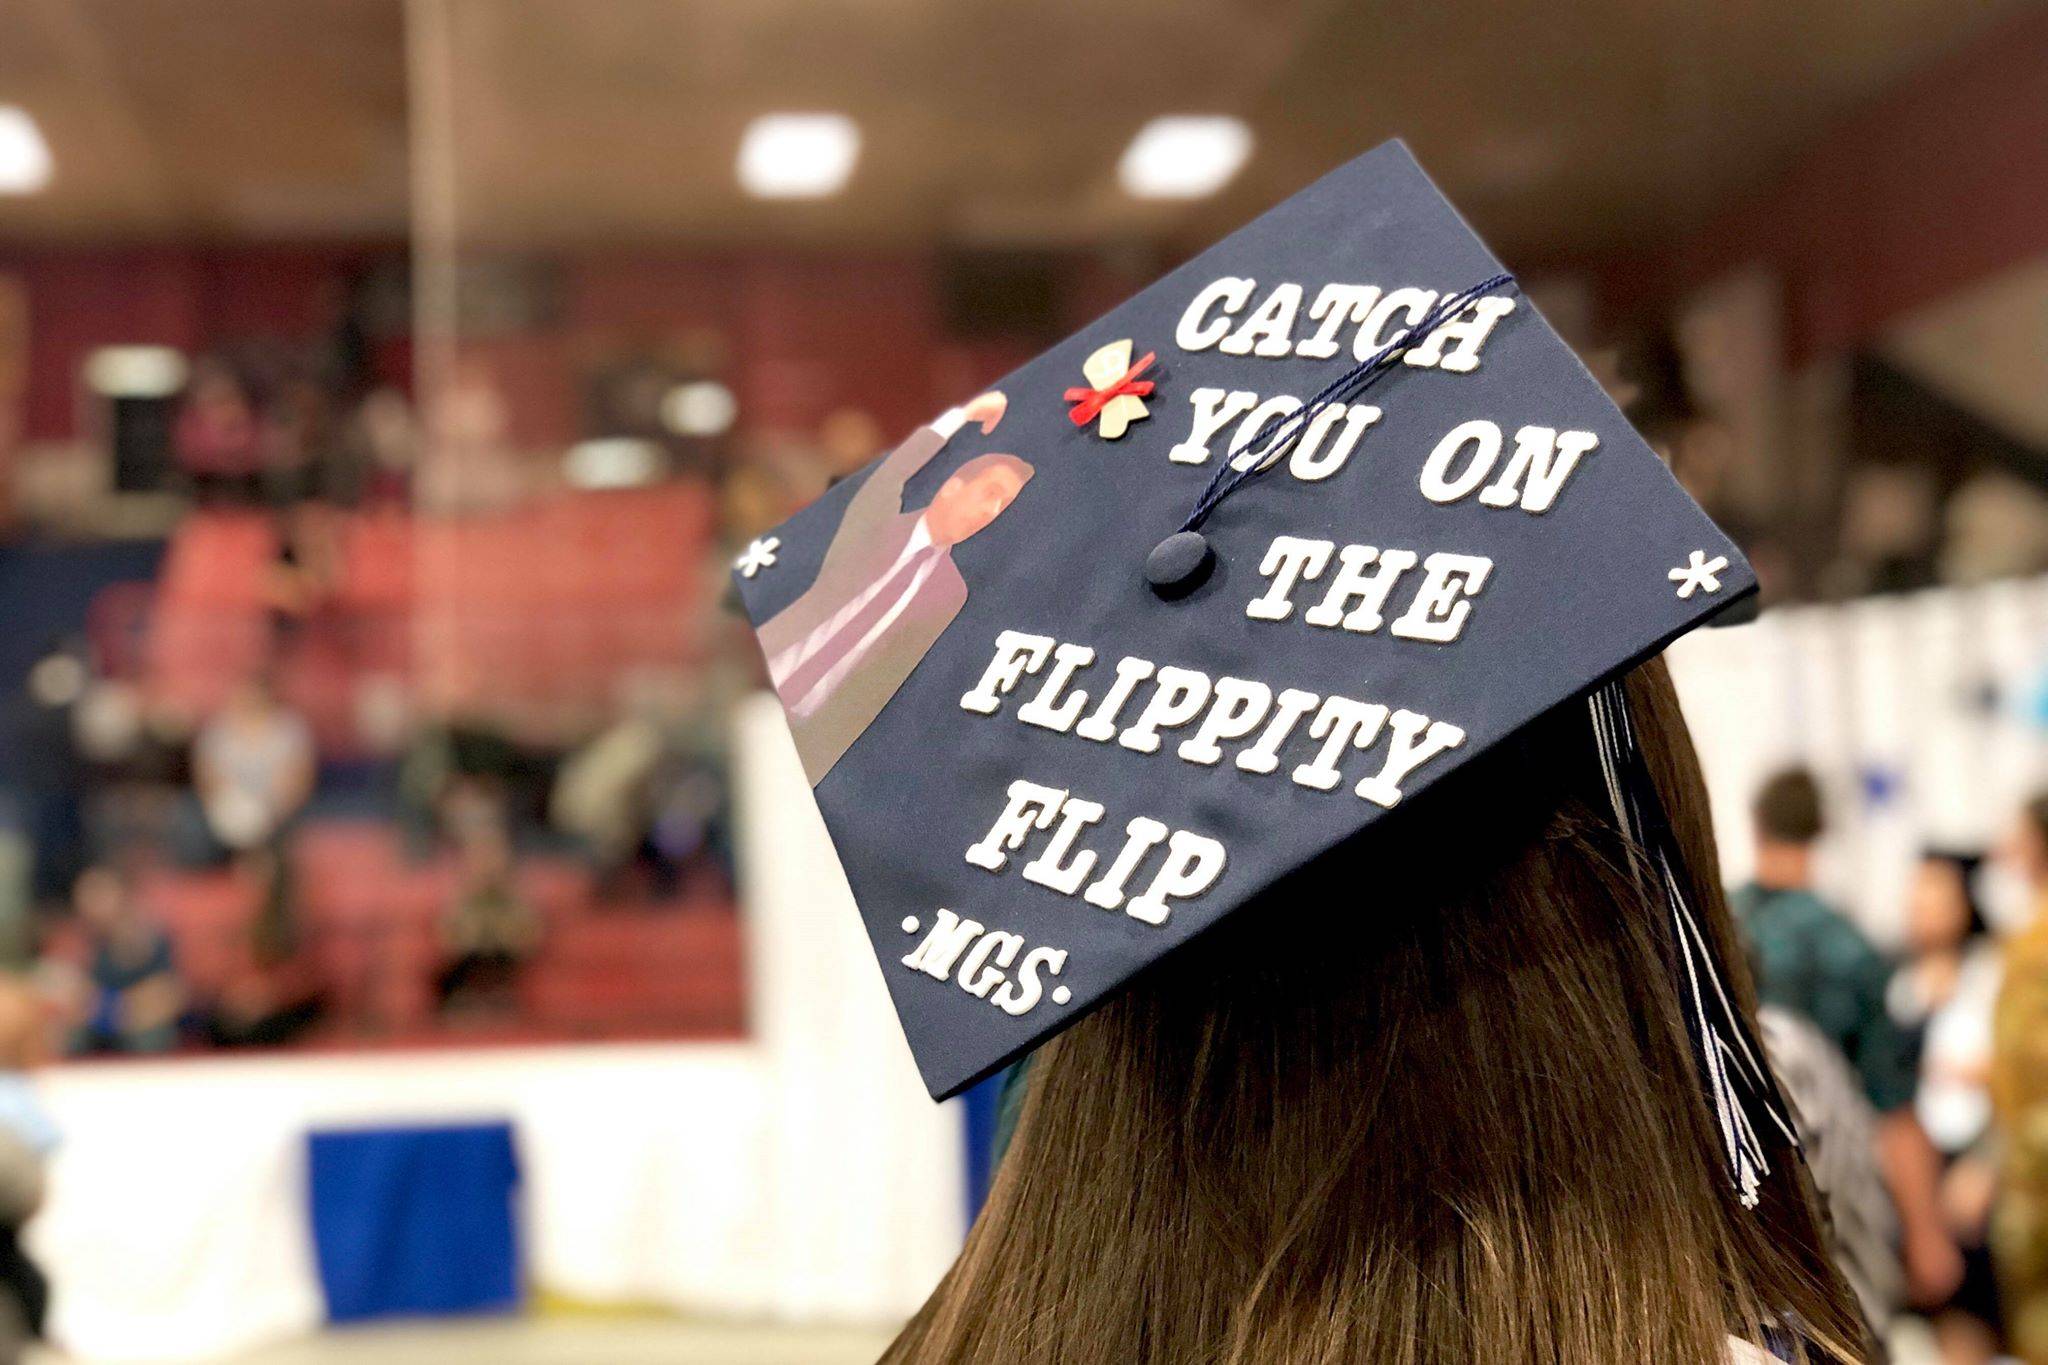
(1740, 1088)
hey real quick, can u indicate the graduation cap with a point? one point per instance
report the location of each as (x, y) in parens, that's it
(1261, 555)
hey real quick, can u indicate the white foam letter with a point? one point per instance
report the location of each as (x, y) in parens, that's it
(1304, 463)
(1272, 326)
(1288, 559)
(1178, 693)
(1437, 483)
(1031, 807)
(1288, 709)
(1214, 410)
(1405, 754)
(1336, 305)
(1547, 459)
(1016, 654)
(1141, 836)
(1239, 706)
(1045, 869)
(950, 935)
(1101, 724)
(1351, 581)
(1439, 610)
(1197, 334)
(1274, 411)
(1193, 863)
(1469, 329)
(1370, 342)
(976, 976)
(1041, 710)
(1344, 721)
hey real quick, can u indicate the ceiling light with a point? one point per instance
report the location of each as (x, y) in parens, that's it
(703, 407)
(613, 462)
(135, 371)
(798, 156)
(1184, 156)
(24, 156)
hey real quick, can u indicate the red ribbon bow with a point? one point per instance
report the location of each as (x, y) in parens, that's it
(1089, 403)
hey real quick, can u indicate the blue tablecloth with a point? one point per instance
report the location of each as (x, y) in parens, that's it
(415, 1220)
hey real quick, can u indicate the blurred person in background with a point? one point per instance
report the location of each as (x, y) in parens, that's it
(2019, 1090)
(375, 459)
(217, 439)
(49, 770)
(274, 991)
(132, 993)
(27, 1137)
(489, 931)
(1944, 994)
(253, 767)
(1809, 959)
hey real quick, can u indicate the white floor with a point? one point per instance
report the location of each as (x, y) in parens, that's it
(574, 1341)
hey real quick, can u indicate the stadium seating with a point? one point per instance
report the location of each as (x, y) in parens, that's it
(369, 920)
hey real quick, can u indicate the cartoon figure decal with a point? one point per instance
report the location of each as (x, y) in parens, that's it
(887, 588)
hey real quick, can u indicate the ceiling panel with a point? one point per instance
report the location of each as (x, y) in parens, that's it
(1561, 128)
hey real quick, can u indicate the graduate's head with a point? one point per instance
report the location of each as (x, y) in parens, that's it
(2025, 847)
(1942, 913)
(1448, 1114)
(975, 495)
(100, 897)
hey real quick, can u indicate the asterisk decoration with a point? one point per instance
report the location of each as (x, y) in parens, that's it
(1698, 572)
(759, 555)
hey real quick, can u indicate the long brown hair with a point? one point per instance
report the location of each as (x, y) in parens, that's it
(1430, 1103)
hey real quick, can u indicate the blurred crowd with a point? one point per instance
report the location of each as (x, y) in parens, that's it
(1921, 1081)
(119, 802)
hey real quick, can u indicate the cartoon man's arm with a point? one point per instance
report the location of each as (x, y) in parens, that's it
(881, 496)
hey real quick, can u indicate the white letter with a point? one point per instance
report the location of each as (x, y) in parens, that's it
(1439, 610)
(976, 976)
(1016, 654)
(1195, 334)
(1214, 409)
(1369, 342)
(1019, 996)
(1304, 465)
(1288, 709)
(1045, 869)
(1469, 329)
(1344, 721)
(1275, 410)
(1141, 836)
(1437, 486)
(1272, 326)
(1288, 559)
(1193, 863)
(1351, 581)
(1405, 755)
(1178, 694)
(1017, 820)
(942, 945)
(1240, 705)
(1336, 305)
(1040, 709)
(1101, 725)
(1547, 459)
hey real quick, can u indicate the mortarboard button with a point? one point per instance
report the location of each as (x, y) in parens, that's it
(1179, 563)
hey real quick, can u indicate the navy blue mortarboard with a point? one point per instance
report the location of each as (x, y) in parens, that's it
(1257, 557)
